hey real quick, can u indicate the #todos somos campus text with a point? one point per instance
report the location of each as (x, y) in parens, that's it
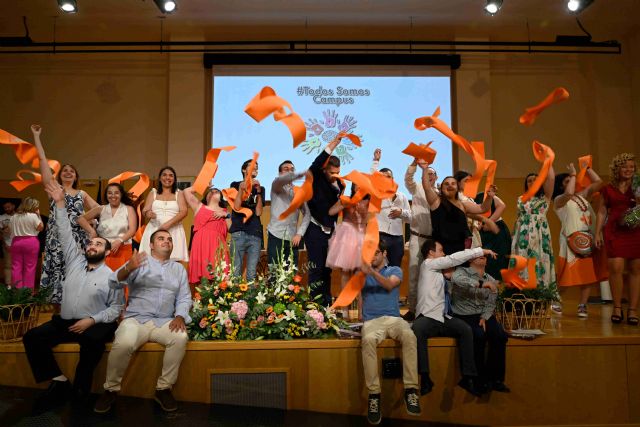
(329, 96)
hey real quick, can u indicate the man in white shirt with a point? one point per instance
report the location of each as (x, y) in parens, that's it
(393, 214)
(433, 311)
(9, 209)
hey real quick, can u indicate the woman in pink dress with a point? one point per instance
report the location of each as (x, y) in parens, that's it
(210, 224)
(621, 242)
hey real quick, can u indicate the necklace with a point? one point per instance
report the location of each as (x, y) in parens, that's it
(582, 204)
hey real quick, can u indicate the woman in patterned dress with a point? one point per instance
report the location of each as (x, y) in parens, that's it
(531, 235)
(76, 201)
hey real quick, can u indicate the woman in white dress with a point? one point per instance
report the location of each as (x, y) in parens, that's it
(117, 223)
(165, 208)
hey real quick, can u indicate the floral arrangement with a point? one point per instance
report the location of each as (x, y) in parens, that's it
(272, 307)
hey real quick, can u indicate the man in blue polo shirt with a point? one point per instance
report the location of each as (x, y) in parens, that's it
(381, 314)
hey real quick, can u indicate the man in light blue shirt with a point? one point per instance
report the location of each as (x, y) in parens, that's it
(158, 311)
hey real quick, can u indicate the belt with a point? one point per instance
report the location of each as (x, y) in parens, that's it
(420, 235)
(325, 230)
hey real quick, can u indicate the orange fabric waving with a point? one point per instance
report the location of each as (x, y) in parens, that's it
(231, 194)
(583, 180)
(248, 176)
(209, 169)
(266, 102)
(301, 195)
(511, 276)
(422, 151)
(371, 239)
(350, 290)
(530, 114)
(26, 154)
(545, 155)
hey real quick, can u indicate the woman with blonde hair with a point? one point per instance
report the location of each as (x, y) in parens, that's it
(25, 247)
(621, 240)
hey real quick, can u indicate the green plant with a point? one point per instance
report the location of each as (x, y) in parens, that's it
(544, 293)
(10, 295)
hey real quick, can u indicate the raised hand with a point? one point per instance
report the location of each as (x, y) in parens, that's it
(55, 191)
(490, 253)
(572, 169)
(377, 154)
(137, 260)
(36, 129)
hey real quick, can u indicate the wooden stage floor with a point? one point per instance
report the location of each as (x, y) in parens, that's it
(582, 372)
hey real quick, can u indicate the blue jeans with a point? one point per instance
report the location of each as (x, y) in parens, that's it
(244, 243)
(276, 247)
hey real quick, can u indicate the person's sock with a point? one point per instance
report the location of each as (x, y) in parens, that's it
(60, 378)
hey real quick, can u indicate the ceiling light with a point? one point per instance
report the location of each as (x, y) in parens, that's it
(166, 6)
(493, 6)
(68, 6)
(577, 6)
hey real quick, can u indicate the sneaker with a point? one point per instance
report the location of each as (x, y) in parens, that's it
(374, 416)
(582, 311)
(166, 400)
(556, 308)
(105, 402)
(412, 402)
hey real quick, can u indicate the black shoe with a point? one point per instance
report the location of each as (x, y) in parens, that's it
(426, 385)
(468, 384)
(80, 398)
(499, 386)
(55, 395)
(105, 402)
(374, 416)
(409, 316)
(166, 400)
(412, 401)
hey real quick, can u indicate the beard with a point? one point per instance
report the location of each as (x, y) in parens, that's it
(95, 257)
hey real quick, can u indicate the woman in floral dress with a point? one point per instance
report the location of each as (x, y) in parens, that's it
(532, 237)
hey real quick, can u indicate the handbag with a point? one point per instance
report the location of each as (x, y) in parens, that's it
(581, 243)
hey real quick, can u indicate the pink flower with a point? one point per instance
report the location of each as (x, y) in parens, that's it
(290, 287)
(240, 309)
(203, 322)
(318, 318)
(260, 318)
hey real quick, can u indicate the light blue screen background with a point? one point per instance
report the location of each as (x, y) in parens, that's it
(384, 119)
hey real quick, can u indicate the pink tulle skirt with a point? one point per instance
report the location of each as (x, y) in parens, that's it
(345, 247)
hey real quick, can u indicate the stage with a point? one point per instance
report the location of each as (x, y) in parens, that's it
(581, 372)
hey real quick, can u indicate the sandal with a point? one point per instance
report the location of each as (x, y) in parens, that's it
(632, 320)
(617, 318)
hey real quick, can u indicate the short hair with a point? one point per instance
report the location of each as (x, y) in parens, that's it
(333, 161)
(286, 162)
(75, 182)
(153, 235)
(174, 187)
(382, 246)
(385, 170)
(428, 245)
(28, 205)
(124, 196)
(107, 244)
(245, 165)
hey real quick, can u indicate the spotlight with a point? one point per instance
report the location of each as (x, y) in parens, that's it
(577, 6)
(493, 6)
(69, 6)
(165, 6)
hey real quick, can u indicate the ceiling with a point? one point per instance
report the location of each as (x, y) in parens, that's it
(139, 20)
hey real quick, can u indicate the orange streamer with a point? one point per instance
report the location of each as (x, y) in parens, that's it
(557, 95)
(266, 102)
(422, 151)
(231, 194)
(512, 277)
(26, 154)
(301, 195)
(583, 180)
(545, 155)
(248, 176)
(209, 169)
(350, 290)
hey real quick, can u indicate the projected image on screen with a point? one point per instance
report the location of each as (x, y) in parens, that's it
(380, 110)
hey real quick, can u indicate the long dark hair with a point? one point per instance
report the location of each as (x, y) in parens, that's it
(540, 192)
(124, 196)
(557, 185)
(174, 187)
(75, 182)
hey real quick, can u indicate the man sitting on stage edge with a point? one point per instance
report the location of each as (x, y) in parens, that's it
(381, 315)
(157, 311)
(88, 313)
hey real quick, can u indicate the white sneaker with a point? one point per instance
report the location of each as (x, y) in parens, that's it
(582, 311)
(556, 308)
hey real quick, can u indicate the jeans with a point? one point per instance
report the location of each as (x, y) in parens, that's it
(244, 243)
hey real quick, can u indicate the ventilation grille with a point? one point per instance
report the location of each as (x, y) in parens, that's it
(260, 389)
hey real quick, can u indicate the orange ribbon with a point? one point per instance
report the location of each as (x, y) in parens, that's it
(135, 192)
(422, 151)
(209, 169)
(545, 155)
(350, 290)
(557, 95)
(512, 277)
(301, 195)
(26, 153)
(266, 102)
(583, 180)
(248, 176)
(231, 194)
(474, 149)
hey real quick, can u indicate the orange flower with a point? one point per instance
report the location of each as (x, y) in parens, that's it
(241, 322)
(196, 296)
(269, 310)
(270, 320)
(280, 316)
(297, 278)
(296, 289)
(243, 287)
(253, 324)
(292, 299)
(223, 285)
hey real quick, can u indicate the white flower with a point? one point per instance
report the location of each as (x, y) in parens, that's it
(220, 300)
(261, 298)
(222, 317)
(197, 305)
(289, 315)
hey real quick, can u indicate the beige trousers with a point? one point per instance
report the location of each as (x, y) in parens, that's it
(373, 333)
(130, 336)
(415, 260)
